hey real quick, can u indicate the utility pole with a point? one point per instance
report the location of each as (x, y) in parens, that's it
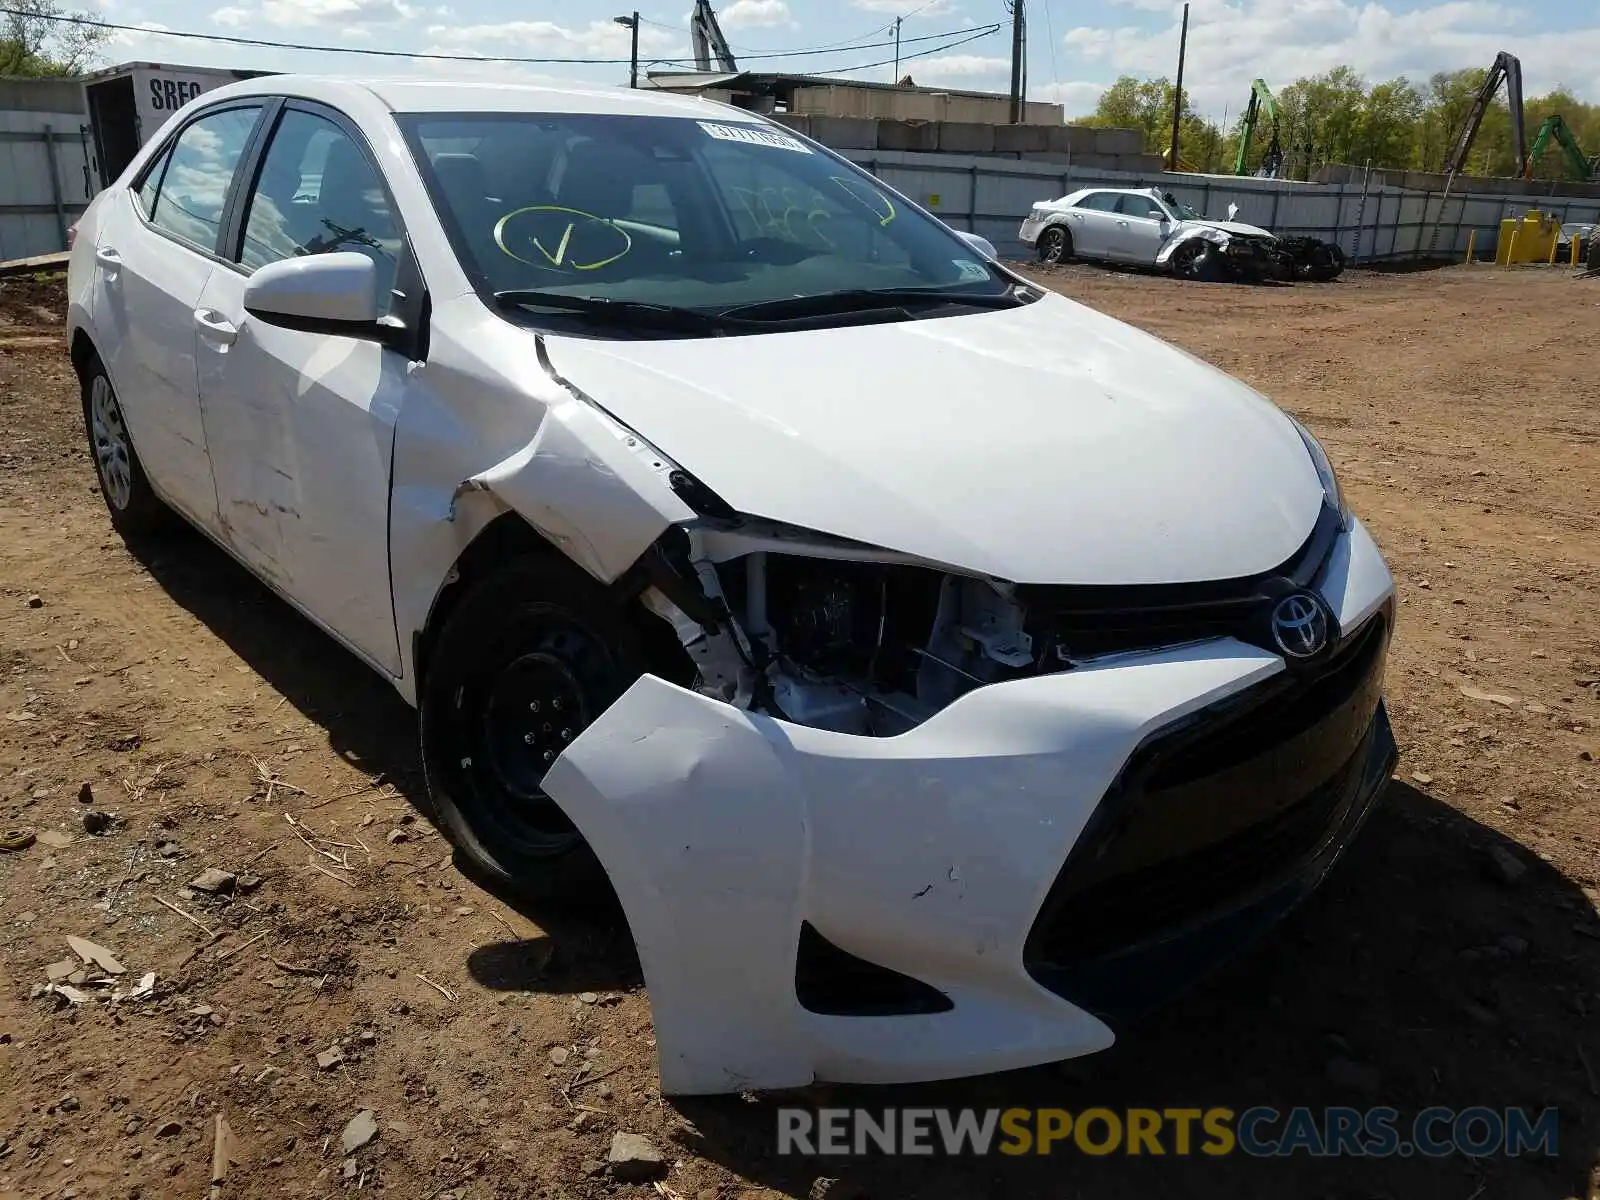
(1019, 67)
(1177, 93)
(633, 69)
(898, 21)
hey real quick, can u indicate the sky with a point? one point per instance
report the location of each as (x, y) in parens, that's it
(1074, 50)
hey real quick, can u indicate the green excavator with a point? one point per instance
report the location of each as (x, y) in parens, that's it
(1261, 101)
(1579, 165)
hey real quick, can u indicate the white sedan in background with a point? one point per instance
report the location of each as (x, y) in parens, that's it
(938, 671)
(1147, 227)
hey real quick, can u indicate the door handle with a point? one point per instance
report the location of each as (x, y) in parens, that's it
(215, 327)
(110, 261)
(1124, 224)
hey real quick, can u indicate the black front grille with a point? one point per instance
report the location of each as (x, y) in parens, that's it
(1212, 810)
(1090, 620)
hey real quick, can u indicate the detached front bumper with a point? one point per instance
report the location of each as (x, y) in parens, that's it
(994, 888)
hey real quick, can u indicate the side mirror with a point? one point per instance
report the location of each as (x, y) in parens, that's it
(319, 293)
(982, 245)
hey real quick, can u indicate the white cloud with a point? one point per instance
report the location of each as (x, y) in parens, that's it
(958, 66)
(1077, 98)
(904, 8)
(598, 39)
(291, 13)
(1283, 40)
(755, 13)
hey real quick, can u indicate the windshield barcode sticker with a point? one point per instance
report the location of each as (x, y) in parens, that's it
(753, 136)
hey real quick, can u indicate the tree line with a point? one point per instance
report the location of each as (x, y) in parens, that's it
(34, 43)
(1337, 117)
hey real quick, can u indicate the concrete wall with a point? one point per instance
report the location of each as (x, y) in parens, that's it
(912, 104)
(44, 157)
(1064, 145)
(990, 196)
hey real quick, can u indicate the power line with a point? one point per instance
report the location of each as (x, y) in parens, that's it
(975, 35)
(234, 40)
(1050, 32)
(990, 31)
(927, 37)
(848, 43)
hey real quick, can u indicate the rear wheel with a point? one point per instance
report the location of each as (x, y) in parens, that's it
(1055, 245)
(527, 660)
(134, 507)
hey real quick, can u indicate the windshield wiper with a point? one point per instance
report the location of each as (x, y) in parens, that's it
(866, 299)
(618, 312)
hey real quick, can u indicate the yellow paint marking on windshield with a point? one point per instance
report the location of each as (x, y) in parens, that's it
(561, 250)
(562, 259)
(774, 219)
(879, 205)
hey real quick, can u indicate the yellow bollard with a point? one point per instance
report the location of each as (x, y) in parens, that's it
(1575, 241)
(1472, 244)
(1551, 261)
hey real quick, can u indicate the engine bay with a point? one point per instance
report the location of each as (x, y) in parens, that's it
(869, 648)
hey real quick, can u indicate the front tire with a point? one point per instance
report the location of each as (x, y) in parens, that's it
(1055, 245)
(529, 658)
(134, 507)
(1198, 261)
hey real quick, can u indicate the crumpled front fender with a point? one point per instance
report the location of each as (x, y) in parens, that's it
(1215, 236)
(585, 484)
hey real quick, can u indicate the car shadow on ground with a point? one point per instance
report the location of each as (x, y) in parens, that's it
(371, 727)
(1419, 975)
(1416, 977)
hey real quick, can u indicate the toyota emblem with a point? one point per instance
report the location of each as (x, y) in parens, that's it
(1300, 627)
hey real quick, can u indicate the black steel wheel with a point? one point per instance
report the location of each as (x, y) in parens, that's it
(1055, 245)
(527, 660)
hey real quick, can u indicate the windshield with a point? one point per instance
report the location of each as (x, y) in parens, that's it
(669, 211)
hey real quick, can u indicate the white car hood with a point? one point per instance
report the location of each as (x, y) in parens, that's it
(1042, 444)
(1238, 227)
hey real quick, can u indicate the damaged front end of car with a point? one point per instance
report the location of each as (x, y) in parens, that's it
(1222, 254)
(885, 819)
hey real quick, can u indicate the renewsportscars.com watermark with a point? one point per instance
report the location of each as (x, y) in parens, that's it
(1259, 1132)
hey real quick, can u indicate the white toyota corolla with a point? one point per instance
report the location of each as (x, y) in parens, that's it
(939, 671)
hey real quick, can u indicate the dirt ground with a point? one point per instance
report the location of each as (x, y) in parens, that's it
(501, 1049)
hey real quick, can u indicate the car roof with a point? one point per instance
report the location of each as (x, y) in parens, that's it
(1119, 191)
(409, 95)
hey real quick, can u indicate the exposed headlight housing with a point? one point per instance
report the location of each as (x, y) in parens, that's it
(1325, 471)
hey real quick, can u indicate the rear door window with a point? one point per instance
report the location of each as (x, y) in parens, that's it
(1099, 201)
